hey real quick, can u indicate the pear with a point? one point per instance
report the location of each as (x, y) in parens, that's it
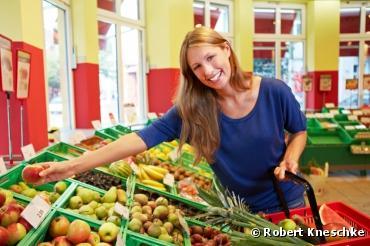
(121, 196)
(53, 196)
(86, 195)
(86, 210)
(93, 204)
(101, 212)
(110, 195)
(23, 185)
(30, 192)
(75, 202)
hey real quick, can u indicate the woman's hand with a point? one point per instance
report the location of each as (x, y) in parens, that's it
(54, 171)
(285, 165)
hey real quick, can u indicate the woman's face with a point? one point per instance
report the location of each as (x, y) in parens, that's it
(210, 64)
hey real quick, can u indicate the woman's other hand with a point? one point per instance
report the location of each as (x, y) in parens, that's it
(285, 165)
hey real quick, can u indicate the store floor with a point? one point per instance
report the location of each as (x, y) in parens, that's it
(348, 187)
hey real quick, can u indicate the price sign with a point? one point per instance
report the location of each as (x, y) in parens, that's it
(122, 210)
(3, 169)
(360, 127)
(120, 241)
(96, 124)
(183, 223)
(329, 105)
(77, 137)
(174, 154)
(334, 111)
(346, 111)
(28, 151)
(36, 211)
(352, 117)
(169, 179)
(152, 115)
(349, 127)
(357, 112)
(112, 119)
(134, 167)
(325, 82)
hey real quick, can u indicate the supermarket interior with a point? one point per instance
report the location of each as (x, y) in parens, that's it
(184, 122)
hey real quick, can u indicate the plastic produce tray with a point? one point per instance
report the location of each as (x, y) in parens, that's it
(93, 143)
(45, 157)
(122, 129)
(41, 234)
(15, 175)
(65, 150)
(328, 136)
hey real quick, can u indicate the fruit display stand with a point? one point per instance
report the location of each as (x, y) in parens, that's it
(13, 181)
(65, 150)
(313, 123)
(42, 234)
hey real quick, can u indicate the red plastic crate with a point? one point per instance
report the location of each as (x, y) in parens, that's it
(355, 218)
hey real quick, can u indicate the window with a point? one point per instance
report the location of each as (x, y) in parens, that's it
(214, 14)
(354, 60)
(121, 40)
(58, 71)
(108, 75)
(279, 44)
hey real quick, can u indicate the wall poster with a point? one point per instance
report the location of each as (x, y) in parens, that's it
(325, 82)
(23, 74)
(6, 64)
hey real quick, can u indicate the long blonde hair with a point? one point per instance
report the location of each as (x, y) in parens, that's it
(197, 103)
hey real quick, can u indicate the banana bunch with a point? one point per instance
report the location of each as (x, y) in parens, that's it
(152, 176)
(120, 168)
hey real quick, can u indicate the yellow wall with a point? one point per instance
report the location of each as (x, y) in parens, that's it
(85, 30)
(167, 22)
(22, 21)
(323, 35)
(243, 33)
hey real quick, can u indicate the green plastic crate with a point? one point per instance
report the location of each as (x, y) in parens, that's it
(41, 234)
(122, 129)
(341, 117)
(25, 241)
(65, 150)
(137, 239)
(15, 176)
(45, 157)
(111, 132)
(328, 136)
(313, 123)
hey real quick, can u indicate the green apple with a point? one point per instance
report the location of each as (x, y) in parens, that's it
(75, 202)
(108, 232)
(60, 187)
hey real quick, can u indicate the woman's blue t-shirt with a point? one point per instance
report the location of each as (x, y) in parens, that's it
(250, 146)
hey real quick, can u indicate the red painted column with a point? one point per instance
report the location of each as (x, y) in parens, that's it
(162, 86)
(34, 115)
(86, 94)
(316, 99)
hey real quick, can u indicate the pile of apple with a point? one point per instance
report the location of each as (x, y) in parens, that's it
(13, 228)
(24, 189)
(156, 218)
(90, 203)
(78, 232)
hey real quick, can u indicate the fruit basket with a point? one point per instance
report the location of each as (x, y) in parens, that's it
(53, 192)
(65, 150)
(57, 224)
(329, 216)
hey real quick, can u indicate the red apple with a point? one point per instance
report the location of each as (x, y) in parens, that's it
(16, 233)
(59, 227)
(2, 198)
(61, 241)
(25, 223)
(78, 232)
(93, 238)
(4, 236)
(9, 215)
(31, 173)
